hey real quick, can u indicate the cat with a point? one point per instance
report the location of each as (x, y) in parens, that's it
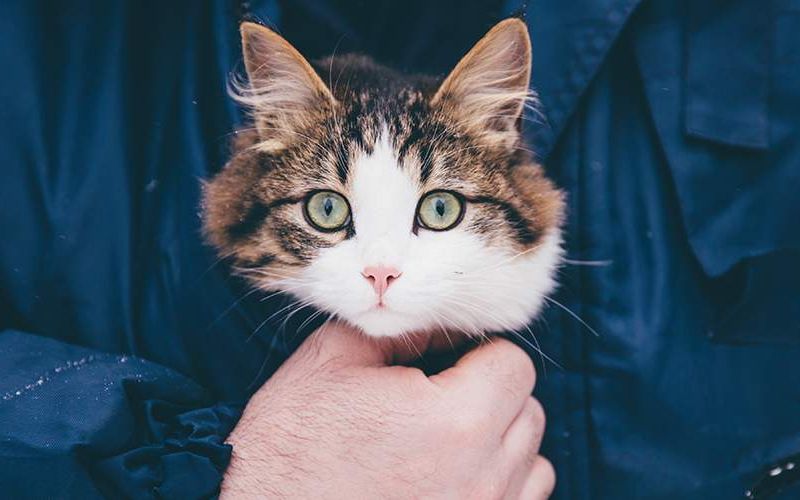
(395, 202)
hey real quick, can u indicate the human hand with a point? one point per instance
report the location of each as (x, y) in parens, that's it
(336, 421)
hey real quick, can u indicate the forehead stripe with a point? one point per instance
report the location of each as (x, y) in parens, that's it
(426, 157)
(342, 165)
(414, 136)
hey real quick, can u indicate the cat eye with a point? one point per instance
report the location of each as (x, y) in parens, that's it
(440, 210)
(327, 211)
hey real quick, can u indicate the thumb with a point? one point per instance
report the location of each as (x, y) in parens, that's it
(343, 344)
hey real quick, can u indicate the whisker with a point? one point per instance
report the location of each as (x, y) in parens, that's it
(216, 262)
(285, 321)
(476, 308)
(444, 331)
(230, 308)
(291, 304)
(591, 263)
(410, 344)
(504, 262)
(311, 318)
(254, 332)
(537, 349)
(575, 316)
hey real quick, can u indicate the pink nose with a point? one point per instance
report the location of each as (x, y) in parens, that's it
(380, 277)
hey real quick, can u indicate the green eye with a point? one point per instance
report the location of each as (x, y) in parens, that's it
(440, 210)
(327, 211)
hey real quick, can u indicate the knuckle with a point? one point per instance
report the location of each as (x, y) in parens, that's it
(547, 473)
(537, 413)
(526, 370)
(520, 367)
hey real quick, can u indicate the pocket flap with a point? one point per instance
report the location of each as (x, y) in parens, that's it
(727, 72)
(739, 193)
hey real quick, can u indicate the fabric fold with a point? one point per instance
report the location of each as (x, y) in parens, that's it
(106, 425)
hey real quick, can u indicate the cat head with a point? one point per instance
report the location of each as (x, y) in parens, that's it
(398, 203)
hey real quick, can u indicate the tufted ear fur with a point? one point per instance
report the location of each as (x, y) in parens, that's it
(283, 91)
(488, 89)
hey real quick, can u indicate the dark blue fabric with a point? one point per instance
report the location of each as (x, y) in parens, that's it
(103, 424)
(682, 173)
(110, 114)
(673, 127)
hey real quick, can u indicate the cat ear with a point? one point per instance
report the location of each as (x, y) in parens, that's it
(488, 88)
(283, 88)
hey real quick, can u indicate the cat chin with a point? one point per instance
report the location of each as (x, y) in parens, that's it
(386, 323)
(389, 324)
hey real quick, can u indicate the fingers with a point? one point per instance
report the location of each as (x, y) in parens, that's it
(494, 379)
(524, 436)
(337, 342)
(540, 482)
(520, 446)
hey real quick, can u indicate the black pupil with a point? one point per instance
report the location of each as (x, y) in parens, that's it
(327, 206)
(439, 206)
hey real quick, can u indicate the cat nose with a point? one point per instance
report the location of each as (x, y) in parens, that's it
(380, 277)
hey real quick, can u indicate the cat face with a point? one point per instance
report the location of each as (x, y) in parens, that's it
(393, 202)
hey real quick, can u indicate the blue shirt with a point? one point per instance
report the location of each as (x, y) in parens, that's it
(127, 349)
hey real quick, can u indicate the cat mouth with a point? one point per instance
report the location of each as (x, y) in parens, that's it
(379, 308)
(382, 321)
